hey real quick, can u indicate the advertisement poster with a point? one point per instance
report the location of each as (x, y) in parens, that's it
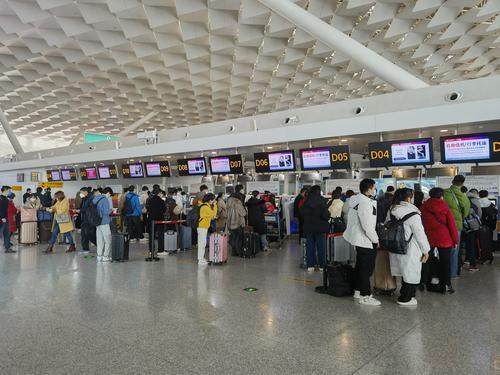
(281, 161)
(196, 166)
(408, 152)
(316, 158)
(220, 165)
(471, 148)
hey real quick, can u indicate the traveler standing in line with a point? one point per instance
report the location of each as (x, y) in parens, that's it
(46, 198)
(142, 200)
(335, 205)
(256, 219)
(441, 230)
(12, 213)
(32, 202)
(236, 214)
(88, 232)
(39, 193)
(384, 203)
(409, 265)
(103, 231)
(418, 198)
(459, 205)
(62, 222)
(221, 213)
(297, 204)
(26, 195)
(472, 237)
(156, 208)
(361, 233)
(208, 212)
(489, 221)
(4, 217)
(316, 225)
(133, 214)
(345, 208)
(198, 200)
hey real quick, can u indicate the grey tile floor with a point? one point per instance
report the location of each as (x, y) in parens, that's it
(65, 314)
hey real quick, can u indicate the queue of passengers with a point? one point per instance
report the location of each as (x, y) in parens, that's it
(438, 227)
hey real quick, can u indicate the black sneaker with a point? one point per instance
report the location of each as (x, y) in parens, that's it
(450, 290)
(10, 251)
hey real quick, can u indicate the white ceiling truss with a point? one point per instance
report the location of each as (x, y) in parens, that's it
(100, 65)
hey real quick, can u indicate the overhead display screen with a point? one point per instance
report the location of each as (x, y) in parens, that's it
(107, 172)
(231, 164)
(133, 170)
(157, 169)
(88, 173)
(471, 148)
(53, 175)
(279, 161)
(398, 153)
(336, 157)
(192, 167)
(68, 174)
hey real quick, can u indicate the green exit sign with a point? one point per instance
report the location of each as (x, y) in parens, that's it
(96, 137)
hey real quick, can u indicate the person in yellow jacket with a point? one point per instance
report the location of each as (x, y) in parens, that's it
(208, 212)
(61, 223)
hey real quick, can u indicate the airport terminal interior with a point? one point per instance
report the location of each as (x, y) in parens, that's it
(249, 187)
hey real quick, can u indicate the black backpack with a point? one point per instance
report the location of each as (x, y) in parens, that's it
(92, 217)
(392, 234)
(193, 216)
(129, 210)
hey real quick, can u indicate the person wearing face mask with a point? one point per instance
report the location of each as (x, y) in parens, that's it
(208, 212)
(361, 233)
(32, 202)
(88, 232)
(103, 231)
(26, 195)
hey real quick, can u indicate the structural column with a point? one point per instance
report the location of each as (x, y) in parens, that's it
(10, 134)
(137, 124)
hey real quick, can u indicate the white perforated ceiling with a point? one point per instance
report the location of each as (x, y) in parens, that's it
(100, 65)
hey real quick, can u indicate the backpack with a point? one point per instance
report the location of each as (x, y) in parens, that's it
(129, 210)
(92, 216)
(193, 216)
(392, 234)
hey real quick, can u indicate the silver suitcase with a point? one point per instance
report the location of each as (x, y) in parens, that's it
(171, 241)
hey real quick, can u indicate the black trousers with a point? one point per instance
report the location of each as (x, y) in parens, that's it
(444, 267)
(134, 227)
(236, 240)
(88, 235)
(159, 236)
(145, 224)
(407, 292)
(471, 251)
(365, 264)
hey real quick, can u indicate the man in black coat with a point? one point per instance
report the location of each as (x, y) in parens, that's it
(316, 224)
(384, 203)
(156, 208)
(256, 209)
(297, 204)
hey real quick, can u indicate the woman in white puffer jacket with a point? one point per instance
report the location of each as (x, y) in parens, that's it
(409, 265)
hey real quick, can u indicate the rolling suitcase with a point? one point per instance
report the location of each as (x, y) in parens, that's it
(338, 278)
(29, 233)
(251, 245)
(218, 248)
(384, 282)
(44, 231)
(28, 215)
(186, 242)
(43, 215)
(120, 244)
(171, 241)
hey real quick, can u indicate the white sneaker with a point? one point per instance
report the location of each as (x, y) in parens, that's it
(357, 294)
(310, 269)
(99, 259)
(369, 301)
(106, 259)
(202, 262)
(412, 302)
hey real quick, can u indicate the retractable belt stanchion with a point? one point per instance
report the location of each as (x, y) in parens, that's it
(152, 254)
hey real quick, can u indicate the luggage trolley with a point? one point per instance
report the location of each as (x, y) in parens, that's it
(274, 227)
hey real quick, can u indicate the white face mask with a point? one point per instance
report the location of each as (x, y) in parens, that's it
(82, 195)
(33, 199)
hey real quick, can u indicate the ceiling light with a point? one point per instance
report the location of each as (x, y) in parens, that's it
(214, 152)
(168, 157)
(343, 140)
(443, 130)
(269, 147)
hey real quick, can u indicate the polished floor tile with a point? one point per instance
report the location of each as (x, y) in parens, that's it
(65, 314)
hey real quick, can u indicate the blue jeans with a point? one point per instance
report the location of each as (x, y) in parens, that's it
(5, 230)
(454, 258)
(315, 246)
(55, 233)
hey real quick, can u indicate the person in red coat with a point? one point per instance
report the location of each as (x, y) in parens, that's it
(12, 212)
(439, 225)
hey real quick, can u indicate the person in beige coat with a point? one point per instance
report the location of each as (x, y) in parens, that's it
(221, 213)
(62, 222)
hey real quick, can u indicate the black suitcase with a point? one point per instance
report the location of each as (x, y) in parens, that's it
(120, 243)
(44, 231)
(338, 278)
(250, 246)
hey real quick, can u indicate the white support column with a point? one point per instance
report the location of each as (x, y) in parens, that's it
(10, 134)
(376, 64)
(137, 124)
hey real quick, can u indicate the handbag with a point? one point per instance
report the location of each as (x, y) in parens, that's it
(472, 222)
(62, 218)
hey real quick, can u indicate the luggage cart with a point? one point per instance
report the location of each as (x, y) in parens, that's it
(274, 228)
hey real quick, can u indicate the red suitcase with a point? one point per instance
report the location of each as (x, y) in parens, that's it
(218, 248)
